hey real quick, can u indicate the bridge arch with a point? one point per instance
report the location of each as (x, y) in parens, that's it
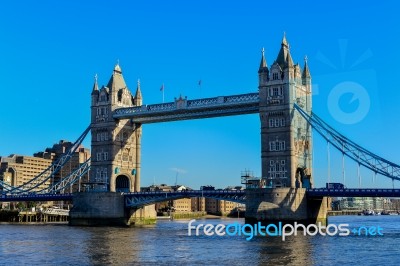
(122, 183)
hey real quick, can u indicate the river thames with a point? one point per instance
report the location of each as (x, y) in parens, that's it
(168, 243)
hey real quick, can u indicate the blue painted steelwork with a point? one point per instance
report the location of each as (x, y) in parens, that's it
(35, 197)
(183, 109)
(352, 150)
(139, 199)
(353, 192)
(67, 181)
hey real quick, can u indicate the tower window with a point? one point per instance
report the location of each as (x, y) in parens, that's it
(277, 145)
(275, 76)
(277, 169)
(276, 122)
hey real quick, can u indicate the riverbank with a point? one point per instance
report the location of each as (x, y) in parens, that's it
(48, 216)
(344, 212)
(9, 215)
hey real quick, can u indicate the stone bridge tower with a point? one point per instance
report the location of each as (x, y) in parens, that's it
(115, 164)
(286, 141)
(286, 146)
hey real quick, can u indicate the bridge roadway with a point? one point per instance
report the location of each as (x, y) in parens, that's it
(138, 199)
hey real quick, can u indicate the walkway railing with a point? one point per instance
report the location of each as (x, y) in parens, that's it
(183, 109)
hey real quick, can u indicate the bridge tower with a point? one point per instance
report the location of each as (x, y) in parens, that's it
(115, 145)
(286, 146)
(286, 139)
(115, 163)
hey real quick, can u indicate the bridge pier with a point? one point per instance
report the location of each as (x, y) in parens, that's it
(286, 205)
(107, 209)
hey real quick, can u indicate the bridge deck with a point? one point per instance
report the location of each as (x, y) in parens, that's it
(135, 199)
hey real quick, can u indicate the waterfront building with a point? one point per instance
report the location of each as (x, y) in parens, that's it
(219, 207)
(17, 170)
(198, 204)
(362, 203)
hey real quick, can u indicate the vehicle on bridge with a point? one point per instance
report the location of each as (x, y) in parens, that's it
(335, 186)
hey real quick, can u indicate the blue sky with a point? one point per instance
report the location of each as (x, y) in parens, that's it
(51, 50)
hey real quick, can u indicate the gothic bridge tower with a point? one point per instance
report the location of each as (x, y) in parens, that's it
(286, 141)
(115, 163)
(286, 146)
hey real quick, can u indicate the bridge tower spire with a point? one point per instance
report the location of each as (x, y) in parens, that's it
(263, 72)
(285, 136)
(115, 164)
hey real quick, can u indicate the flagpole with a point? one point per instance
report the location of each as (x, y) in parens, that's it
(162, 89)
(200, 87)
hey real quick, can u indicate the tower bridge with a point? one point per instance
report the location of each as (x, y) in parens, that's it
(285, 190)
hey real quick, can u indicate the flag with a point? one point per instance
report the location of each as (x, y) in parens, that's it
(199, 82)
(162, 87)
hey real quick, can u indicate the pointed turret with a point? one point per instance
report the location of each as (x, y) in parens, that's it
(116, 81)
(263, 62)
(283, 52)
(117, 68)
(306, 70)
(138, 95)
(263, 71)
(284, 41)
(95, 86)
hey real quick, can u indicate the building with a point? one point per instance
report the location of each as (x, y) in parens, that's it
(286, 148)
(362, 203)
(219, 207)
(198, 204)
(17, 170)
(222, 207)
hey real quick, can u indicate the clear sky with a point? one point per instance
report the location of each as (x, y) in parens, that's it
(51, 50)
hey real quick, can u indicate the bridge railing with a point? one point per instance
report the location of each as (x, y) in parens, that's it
(353, 192)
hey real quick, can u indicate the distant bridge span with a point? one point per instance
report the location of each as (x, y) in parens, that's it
(140, 199)
(183, 109)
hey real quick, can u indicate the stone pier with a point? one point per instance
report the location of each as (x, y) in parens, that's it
(286, 205)
(107, 209)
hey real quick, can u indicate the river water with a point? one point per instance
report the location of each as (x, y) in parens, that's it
(168, 243)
